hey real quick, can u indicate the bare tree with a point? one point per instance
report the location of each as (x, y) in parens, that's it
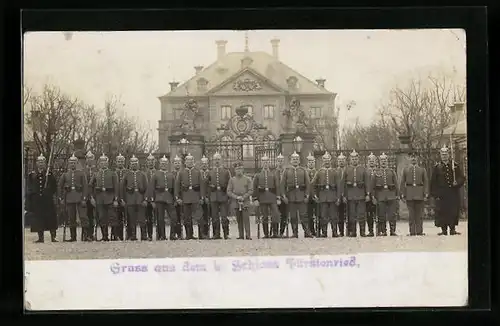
(376, 136)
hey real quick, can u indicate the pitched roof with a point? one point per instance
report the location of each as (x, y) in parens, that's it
(263, 63)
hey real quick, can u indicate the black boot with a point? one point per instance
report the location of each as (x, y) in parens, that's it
(53, 236)
(334, 230)
(362, 229)
(133, 233)
(144, 233)
(216, 230)
(351, 229)
(225, 231)
(370, 229)
(295, 230)
(392, 228)
(41, 237)
(105, 233)
(113, 234)
(241, 232)
(265, 229)
(201, 232)
(173, 232)
(88, 233)
(453, 231)
(72, 232)
(324, 231)
(341, 228)
(383, 228)
(149, 231)
(444, 230)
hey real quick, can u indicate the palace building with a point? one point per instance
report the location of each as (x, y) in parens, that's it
(256, 80)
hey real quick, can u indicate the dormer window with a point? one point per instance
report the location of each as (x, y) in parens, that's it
(292, 82)
(246, 61)
(202, 84)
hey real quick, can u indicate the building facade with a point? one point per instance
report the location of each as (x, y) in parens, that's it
(257, 80)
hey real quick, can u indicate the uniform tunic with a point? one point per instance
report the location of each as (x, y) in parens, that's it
(241, 186)
(189, 186)
(414, 187)
(447, 194)
(40, 202)
(217, 182)
(73, 190)
(105, 187)
(329, 189)
(386, 189)
(134, 187)
(266, 186)
(161, 192)
(89, 173)
(312, 207)
(341, 171)
(296, 186)
(357, 183)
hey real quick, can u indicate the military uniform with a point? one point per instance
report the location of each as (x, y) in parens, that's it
(73, 192)
(266, 186)
(149, 211)
(357, 183)
(217, 182)
(105, 189)
(415, 189)
(329, 190)
(134, 187)
(447, 195)
(342, 209)
(205, 209)
(161, 192)
(386, 189)
(371, 207)
(295, 185)
(241, 186)
(121, 210)
(39, 203)
(176, 228)
(312, 206)
(189, 187)
(282, 207)
(91, 213)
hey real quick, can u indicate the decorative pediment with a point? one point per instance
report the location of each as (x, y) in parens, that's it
(246, 82)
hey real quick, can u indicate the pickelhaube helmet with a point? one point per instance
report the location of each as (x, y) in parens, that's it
(189, 157)
(120, 158)
(264, 158)
(327, 156)
(294, 154)
(150, 157)
(177, 158)
(134, 159)
(204, 160)
(354, 153)
(103, 158)
(371, 156)
(444, 149)
(164, 159)
(341, 156)
(73, 158)
(280, 156)
(89, 155)
(383, 156)
(311, 157)
(41, 158)
(217, 156)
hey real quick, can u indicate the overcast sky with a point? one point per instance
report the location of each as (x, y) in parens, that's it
(359, 65)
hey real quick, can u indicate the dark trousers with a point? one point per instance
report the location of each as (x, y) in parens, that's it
(415, 220)
(342, 217)
(243, 220)
(371, 213)
(176, 225)
(313, 214)
(149, 221)
(117, 231)
(219, 213)
(91, 214)
(205, 221)
(283, 208)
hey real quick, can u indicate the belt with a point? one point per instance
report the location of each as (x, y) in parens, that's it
(104, 189)
(296, 187)
(273, 190)
(326, 187)
(195, 188)
(219, 188)
(413, 184)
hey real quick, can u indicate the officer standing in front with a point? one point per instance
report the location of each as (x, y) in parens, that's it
(371, 208)
(295, 190)
(190, 193)
(446, 181)
(313, 212)
(282, 206)
(240, 190)
(329, 189)
(415, 192)
(357, 184)
(266, 185)
(217, 181)
(176, 229)
(161, 195)
(205, 220)
(121, 212)
(73, 192)
(386, 189)
(39, 200)
(342, 209)
(90, 170)
(150, 172)
(105, 186)
(134, 186)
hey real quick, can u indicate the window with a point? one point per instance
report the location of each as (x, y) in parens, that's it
(268, 111)
(225, 112)
(247, 147)
(316, 112)
(177, 113)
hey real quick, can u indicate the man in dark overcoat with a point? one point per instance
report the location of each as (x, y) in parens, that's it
(149, 212)
(218, 179)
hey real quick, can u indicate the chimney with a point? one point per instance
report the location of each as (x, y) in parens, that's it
(221, 49)
(173, 85)
(275, 44)
(198, 69)
(321, 82)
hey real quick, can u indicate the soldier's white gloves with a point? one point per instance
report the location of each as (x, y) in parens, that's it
(344, 199)
(153, 204)
(115, 203)
(284, 199)
(337, 202)
(122, 202)
(426, 197)
(144, 203)
(92, 201)
(179, 201)
(239, 198)
(256, 203)
(207, 200)
(202, 201)
(315, 198)
(367, 198)
(61, 201)
(374, 201)
(306, 199)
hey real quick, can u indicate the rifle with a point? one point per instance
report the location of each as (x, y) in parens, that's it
(257, 217)
(65, 217)
(453, 161)
(51, 154)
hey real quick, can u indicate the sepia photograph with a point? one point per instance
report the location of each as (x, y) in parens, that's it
(326, 166)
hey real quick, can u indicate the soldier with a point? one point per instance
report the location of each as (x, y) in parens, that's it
(295, 190)
(240, 190)
(217, 181)
(176, 228)
(312, 206)
(329, 189)
(357, 184)
(266, 186)
(73, 192)
(90, 170)
(161, 195)
(386, 189)
(40, 188)
(150, 171)
(371, 208)
(414, 191)
(190, 192)
(205, 232)
(342, 209)
(121, 211)
(104, 185)
(446, 181)
(282, 206)
(134, 186)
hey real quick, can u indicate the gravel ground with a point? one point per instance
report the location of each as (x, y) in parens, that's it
(234, 247)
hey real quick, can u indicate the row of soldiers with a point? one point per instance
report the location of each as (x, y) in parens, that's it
(286, 195)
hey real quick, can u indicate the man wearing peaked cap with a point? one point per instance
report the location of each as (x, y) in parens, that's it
(217, 181)
(176, 230)
(121, 211)
(39, 200)
(342, 209)
(90, 169)
(312, 206)
(371, 207)
(282, 205)
(73, 192)
(386, 193)
(414, 191)
(149, 212)
(240, 189)
(205, 219)
(446, 181)
(161, 195)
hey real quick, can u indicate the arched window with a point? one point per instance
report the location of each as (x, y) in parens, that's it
(247, 147)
